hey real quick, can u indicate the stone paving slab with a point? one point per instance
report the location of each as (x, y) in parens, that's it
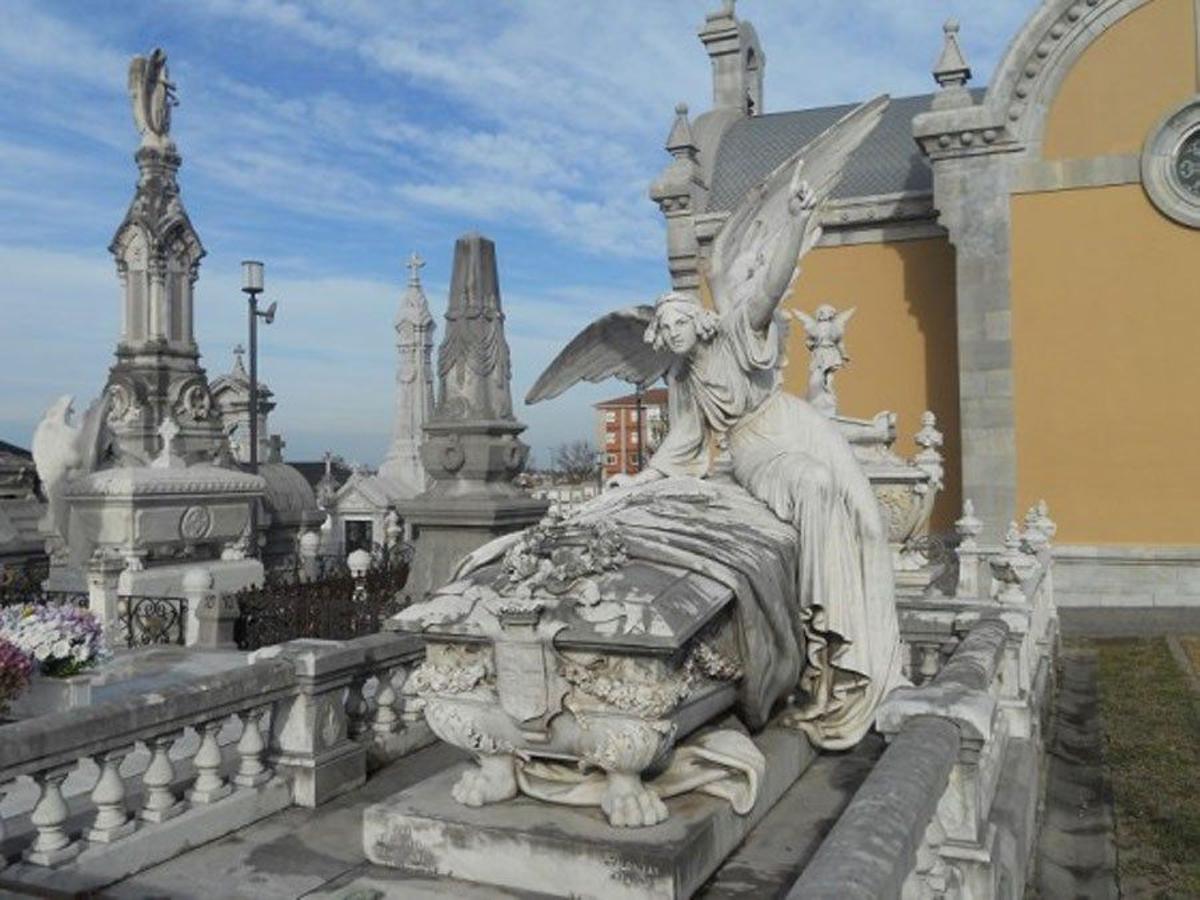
(775, 853)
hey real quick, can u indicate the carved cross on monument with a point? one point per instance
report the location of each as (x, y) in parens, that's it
(167, 459)
(415, 265)
(238, 352)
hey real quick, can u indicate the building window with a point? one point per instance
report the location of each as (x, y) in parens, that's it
(610, 459)
(612, 437)
(610, 416)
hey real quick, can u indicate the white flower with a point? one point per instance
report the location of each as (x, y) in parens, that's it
(41, 652)
(79, 653)
(61, 649)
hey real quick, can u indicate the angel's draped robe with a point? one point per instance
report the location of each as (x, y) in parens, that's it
(793, 459)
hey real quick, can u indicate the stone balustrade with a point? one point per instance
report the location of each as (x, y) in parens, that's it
(925, 822)
(93, 795)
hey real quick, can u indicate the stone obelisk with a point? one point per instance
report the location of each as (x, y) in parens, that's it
(471, 450)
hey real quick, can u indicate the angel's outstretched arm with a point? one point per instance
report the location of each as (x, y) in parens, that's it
(781, 268)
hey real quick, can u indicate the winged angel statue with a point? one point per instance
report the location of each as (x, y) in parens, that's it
(723, 373)
(809, 639)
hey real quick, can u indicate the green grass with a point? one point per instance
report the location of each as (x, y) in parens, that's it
(1151, 720)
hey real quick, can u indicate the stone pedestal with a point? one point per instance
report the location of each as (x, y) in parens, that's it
(447, 529)
(528, 845)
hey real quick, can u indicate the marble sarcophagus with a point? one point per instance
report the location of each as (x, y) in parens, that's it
(562, 648)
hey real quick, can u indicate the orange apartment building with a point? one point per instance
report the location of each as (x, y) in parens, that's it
(625, 446)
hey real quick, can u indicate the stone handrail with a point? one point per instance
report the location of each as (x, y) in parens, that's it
(46, 741)
(301, 723)
(874, 847)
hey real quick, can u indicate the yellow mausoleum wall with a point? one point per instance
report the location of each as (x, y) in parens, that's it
(1106, 323)
(901, 342)
(1124, 83)
(1106, 308)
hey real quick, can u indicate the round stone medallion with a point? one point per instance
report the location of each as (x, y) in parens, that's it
(195, 523)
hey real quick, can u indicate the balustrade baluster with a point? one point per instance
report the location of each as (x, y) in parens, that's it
(209, 786)
(356, 707)
(252, 770)
(386, 719)
(112, 818)
(161, 803)
(52, 845)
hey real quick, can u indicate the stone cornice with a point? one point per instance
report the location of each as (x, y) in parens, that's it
(141, 481)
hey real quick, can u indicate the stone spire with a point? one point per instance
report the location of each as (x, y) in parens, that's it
(737, 61)
(951, 71)
(414, 385)
(157, 251)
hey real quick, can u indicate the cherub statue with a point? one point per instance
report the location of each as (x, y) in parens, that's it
(153, 94)
(723, 372)
(825, 339)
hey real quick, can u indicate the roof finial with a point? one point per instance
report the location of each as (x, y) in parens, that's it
(415, 264)
(680, 142)
(951, 70)
(239, 367)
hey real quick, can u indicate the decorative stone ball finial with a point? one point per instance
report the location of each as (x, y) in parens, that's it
(359, 562)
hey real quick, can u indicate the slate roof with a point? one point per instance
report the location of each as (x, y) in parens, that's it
(888, 162)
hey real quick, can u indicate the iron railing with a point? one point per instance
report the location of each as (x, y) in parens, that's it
(334, 606)
(153, 620)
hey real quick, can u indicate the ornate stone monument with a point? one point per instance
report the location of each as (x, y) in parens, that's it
(471, 450)
(157, 250)
(594, 660)
(138, 485)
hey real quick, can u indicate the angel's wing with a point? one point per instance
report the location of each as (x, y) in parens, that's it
(613, 345)
(844, 316)
(137, 91)
(810, 324)
(745, 245)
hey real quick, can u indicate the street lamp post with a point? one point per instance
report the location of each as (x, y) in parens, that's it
(252, 286)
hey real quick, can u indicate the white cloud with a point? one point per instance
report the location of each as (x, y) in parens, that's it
(331, 128)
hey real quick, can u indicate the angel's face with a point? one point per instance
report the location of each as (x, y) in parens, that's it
(679, 330)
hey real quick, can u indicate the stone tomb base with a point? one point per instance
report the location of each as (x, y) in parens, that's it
(570, 851)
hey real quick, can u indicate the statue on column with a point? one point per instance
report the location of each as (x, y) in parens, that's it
(825, 339)
(153, 95)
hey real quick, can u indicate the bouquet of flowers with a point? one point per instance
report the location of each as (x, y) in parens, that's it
(59, 638)
(15, 669)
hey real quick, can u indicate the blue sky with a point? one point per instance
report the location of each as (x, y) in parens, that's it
(330, 138)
